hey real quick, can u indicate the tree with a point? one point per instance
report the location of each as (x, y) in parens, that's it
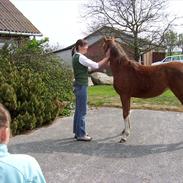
(180, 41)
(170, 41)
(144, 20)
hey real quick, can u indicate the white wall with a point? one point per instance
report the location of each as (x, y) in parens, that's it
(1, 45)
(66, 57)
(2, 42)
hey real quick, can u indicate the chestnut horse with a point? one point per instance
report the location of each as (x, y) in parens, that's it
(134, 80)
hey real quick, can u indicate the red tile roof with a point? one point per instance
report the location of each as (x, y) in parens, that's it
(13, 21)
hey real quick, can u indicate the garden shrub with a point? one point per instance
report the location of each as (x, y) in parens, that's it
(35, 86)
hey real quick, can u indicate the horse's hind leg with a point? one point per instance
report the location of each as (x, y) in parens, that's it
(175, 82)
(178, 95)
(126, 110)
(177, 89)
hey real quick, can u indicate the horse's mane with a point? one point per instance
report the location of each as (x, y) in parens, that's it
(117, 51)
(119, 54)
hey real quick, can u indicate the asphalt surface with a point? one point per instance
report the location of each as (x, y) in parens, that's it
(152, 154)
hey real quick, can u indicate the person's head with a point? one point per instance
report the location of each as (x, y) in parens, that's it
(80, 46)
(5, 120)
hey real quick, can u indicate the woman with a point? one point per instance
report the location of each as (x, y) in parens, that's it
(81, 65)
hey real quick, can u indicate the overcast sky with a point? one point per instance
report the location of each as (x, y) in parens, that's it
(60, 19)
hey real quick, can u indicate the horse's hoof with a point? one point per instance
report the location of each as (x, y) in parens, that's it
(123, 140)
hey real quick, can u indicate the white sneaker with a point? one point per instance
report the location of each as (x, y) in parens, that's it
(75, 137)
(84, 138)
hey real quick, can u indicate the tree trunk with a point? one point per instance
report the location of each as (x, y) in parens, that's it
(136, 48)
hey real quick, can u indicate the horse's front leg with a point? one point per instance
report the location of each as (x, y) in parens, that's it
(126, 111)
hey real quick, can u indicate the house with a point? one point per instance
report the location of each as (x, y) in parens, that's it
(96, 53)
(95, 42)
(13, 24)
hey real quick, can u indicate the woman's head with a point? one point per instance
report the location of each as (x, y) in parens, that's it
(80, 46)
(5, 120)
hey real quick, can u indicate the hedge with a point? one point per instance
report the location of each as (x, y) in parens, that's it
(35, 86)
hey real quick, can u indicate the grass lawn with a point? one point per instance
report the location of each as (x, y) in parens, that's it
(106, 96)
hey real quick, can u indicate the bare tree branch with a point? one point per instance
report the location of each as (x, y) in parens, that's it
(144, 19)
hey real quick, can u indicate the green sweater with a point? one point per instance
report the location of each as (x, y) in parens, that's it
(80, 71)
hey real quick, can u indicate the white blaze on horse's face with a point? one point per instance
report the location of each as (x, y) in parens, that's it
(107, 43)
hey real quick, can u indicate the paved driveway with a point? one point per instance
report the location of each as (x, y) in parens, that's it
(153, 152)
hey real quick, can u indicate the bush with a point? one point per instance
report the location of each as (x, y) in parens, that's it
(35, 86)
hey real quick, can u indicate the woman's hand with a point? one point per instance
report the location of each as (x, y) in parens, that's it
(104, 63)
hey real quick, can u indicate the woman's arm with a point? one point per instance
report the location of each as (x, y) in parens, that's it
(90, 63)
(87, 62)
(104, 63)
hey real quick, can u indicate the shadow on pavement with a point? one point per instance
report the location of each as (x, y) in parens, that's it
(100, 147)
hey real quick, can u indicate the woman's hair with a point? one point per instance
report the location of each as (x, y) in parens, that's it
(79, 42)
(5, 118)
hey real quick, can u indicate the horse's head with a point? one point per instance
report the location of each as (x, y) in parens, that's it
(116, 51)
(108, 43)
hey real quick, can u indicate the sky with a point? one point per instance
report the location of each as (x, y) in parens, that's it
(61, 21)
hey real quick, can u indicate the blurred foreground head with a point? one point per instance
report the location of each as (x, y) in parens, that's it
(5, 120)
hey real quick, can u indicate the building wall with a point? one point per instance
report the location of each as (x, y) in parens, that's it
(65, 56)
(9, 38)
(96, 52)
(93, 39)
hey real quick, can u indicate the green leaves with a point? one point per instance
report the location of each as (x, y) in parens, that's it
(8, 96)
(34, 85)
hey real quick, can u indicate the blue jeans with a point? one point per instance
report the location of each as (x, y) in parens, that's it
(80, 92)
